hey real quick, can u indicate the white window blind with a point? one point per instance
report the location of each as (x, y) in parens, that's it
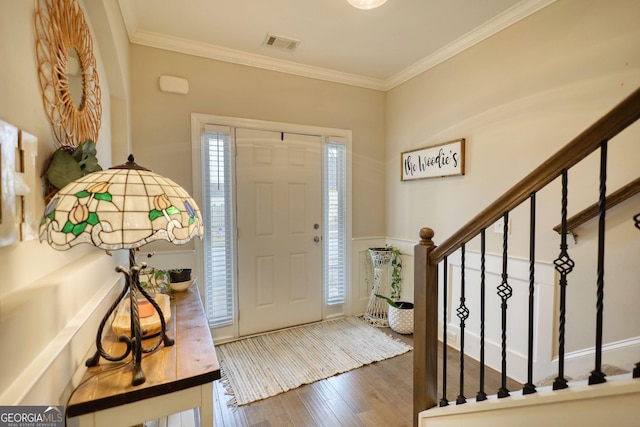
(218, 213)
(335, 203)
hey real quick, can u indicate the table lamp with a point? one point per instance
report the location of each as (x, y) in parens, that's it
(123, 207)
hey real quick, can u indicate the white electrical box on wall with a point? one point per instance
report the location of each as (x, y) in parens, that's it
(498, 226)
(173, 84)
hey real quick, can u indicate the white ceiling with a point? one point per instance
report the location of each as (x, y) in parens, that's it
(377, 48)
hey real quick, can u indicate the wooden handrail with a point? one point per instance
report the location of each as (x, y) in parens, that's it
(615, 121)
(629, 190)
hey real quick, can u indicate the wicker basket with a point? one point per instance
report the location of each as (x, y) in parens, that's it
(401, 319)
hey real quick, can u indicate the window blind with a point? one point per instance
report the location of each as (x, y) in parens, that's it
(335, 269)
(218, 239)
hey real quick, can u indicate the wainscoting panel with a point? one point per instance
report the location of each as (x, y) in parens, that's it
(517, 313)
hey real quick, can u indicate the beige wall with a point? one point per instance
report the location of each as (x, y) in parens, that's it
(161, 121)
(518, 97)
(49, 299)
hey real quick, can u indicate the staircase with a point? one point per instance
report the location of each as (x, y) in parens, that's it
(600, 400)
(614, 403)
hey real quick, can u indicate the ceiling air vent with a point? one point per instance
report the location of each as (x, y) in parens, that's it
(284, 43)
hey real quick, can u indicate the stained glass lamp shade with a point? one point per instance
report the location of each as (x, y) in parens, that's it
(124, 207)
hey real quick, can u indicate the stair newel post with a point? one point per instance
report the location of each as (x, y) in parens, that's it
(505, 292)
(597, 376)
(425, 357)
(563, 265)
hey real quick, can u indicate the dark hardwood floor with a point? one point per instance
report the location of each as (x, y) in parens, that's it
(376, 395)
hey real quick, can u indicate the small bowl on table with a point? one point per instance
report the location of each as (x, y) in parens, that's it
(181, 286)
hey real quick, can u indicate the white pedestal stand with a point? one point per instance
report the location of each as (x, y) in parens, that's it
(377, 309)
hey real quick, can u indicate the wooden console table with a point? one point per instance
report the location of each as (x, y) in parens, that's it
(179, 377)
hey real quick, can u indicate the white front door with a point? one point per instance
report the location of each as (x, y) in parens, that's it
(279, 229)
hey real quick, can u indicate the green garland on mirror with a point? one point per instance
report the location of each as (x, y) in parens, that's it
(68, 164)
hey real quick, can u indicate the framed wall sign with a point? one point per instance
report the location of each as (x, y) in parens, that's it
(446, 159)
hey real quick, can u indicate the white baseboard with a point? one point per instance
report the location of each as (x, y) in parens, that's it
(623, 354)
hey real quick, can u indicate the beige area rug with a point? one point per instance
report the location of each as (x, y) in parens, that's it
(265, 365)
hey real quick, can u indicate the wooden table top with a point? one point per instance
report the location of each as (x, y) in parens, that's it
(190, 362)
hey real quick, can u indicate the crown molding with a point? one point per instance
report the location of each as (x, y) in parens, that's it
(205, 50)
(504, 20)
(190, 47)
(129, 17)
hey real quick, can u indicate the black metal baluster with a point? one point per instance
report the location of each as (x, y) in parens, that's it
(597, 376)
(505, 292)
(445, 290)
(563, 265)
(481, 393)
(463, 315)
(529, 387)
(636, 370)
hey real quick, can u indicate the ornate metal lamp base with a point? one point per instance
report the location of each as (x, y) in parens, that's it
(134, 340)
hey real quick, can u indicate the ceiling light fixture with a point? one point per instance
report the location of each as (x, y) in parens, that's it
(366, 4)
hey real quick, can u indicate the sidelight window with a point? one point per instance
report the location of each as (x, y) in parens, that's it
(219, 230)
(335, 218)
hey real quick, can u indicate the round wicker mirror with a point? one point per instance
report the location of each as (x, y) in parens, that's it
(65, 57)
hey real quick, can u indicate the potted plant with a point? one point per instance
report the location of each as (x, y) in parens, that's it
(180, 279)
(153, 280)
(389, 285)
(178, 275)
(396, 270)
(400, 315)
